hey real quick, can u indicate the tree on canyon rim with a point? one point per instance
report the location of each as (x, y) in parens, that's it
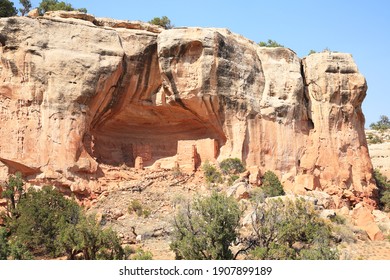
(270, 44)
(55, 5)
(26, 6)
(164, 22)
(7, 9)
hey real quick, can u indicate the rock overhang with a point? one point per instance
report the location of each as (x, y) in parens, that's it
(109, 93)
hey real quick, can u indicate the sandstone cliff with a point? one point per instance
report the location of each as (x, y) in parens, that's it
(380, 152)
(78, 93)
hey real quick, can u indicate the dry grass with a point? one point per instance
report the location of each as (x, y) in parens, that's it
(366, 250)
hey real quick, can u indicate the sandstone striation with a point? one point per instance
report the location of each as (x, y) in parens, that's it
(380, 152)
(78, 92)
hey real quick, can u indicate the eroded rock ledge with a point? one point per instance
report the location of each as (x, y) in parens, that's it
(76, 93)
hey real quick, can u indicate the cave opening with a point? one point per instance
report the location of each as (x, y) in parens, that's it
(150, 132)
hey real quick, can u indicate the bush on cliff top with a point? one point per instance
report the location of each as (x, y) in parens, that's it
(7, 9)
(270, 44)
(212, 175)
(55, 5)
(164, 22)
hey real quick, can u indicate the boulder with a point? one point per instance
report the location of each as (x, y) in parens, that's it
(254, 175)
(323, 199)
(327, 214)
(364, 219)
(382, 219)
(70, 15)
(239, 191)
(139, 163)
(34, 13)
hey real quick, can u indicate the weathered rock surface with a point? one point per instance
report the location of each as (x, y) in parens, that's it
(380, 155)
(380, 152)
(77, 92)
(239, 191)
(364, 219)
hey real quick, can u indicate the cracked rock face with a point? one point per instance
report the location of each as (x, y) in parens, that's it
(77, 93)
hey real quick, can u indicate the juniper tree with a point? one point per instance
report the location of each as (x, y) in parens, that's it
(205, 229)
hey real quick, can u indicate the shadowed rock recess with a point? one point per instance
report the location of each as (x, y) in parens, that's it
(79, 93)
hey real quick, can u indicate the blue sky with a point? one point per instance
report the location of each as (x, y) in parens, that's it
(359, 27)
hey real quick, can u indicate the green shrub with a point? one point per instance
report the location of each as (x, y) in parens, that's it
(231, 166)
(206, 229)
(135, 206)
(87, 237)
(373, 139)
(13, 192)
(257, 195)
(178, 199)
(41, 216)
(383, 185)
(385, 200)
(146, 212)
(46, 224)
(141, 255)
(4, 246)
(26, 7)
(164, 22)
(211, 173)
(337, 219)
(270, 44)
(232, 179)
(55, 5)
(128, 251)
(271, 185)
(280, 225)
(19, 251)
(176, 172)
(381, 125)
(7, 9)
(343, 233)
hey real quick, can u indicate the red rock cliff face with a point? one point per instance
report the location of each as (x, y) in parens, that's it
(75, 94)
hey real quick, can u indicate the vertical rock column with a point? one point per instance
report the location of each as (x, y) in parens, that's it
(336, 153)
